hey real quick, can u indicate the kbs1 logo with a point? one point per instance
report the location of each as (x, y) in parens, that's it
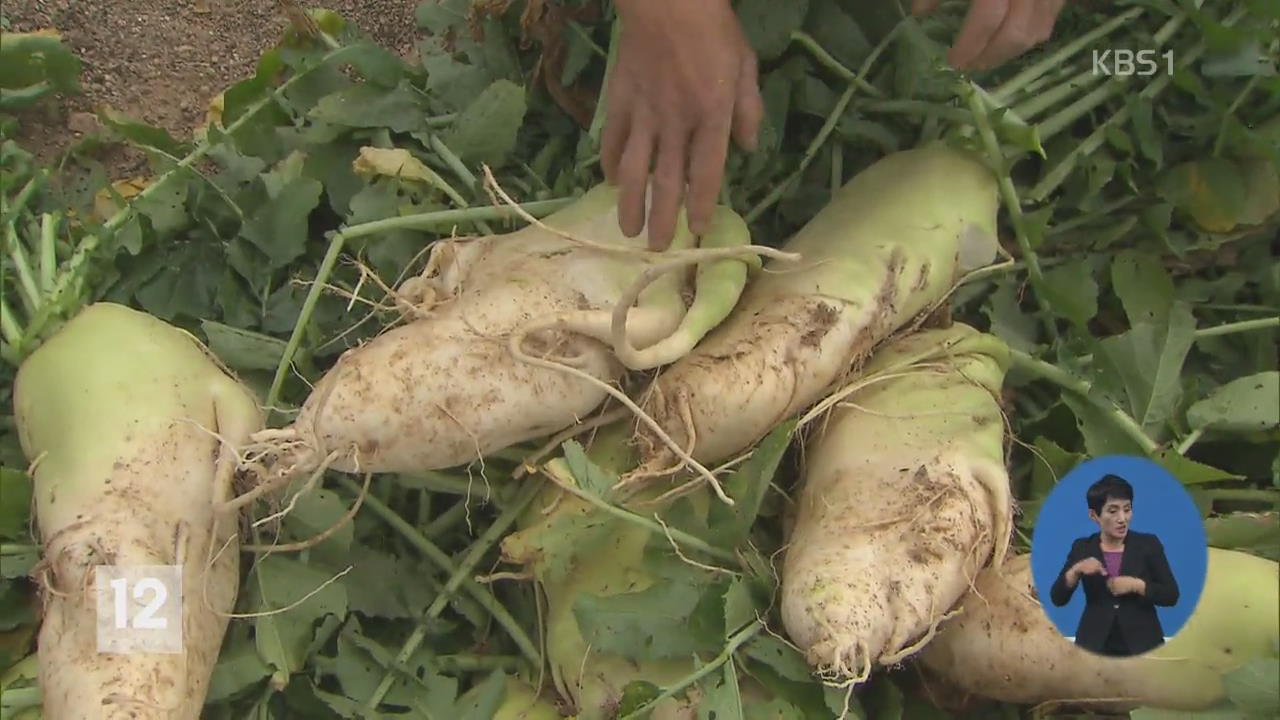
(1122, 62)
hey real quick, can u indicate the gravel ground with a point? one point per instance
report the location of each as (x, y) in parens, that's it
(161, 60)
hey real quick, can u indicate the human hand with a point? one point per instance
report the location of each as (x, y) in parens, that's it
(1087, 566)
(996, 31)
(1124, 585)
(684, 81)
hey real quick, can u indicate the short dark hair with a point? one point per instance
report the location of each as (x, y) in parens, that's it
(1109, 487)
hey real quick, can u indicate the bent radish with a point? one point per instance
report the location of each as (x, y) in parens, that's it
(128, 423)
(1003, 646)
(888, 247)
(904, 498)
(469, 376)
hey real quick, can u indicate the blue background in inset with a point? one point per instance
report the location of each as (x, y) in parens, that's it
(1160, 506)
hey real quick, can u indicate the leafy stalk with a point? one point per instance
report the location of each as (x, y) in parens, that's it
(827, 60)
(1057, 58)
(491, 536)
(1059, 173)
(48, 250)
(1113, 87)
(70, 281)
(827, 127)
(558, 470)
(1066, 381)
(407, 222)
(30, 292)
(739, 639)
(1013, 205)
(1238, 327)
(441, 559)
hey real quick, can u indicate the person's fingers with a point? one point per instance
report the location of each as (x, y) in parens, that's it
(1047, 18)
(708, 151)
(923, 7)
(980, 23)
(668, 184)
(617, 124)
(1017, 34)
(748, 106)
(633, 173)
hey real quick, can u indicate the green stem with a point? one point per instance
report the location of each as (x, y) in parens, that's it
(1103, 213)
(855, 82)
(1189, 440)
(48, 249)
(304, 318)
(440, 121)
(1244, 495)
(446, 218)
(23, 197)
(1045, 371)
(1114, 86)
(447, 520)
(560, 470)
(16, 549)
(1005, 91)
(1231, 110)
(915, 107)
(1013, 205)
(459, 575)
(474, 663)
(463, 172)
(1238, 327)
(462, 576)
(9, 326)
(338, 240)
(829, 61)
(26, 278)
(1060, 171)
(436, 481)
(739, 639)
(1046, 99)
(1053, 78)
(809, 154)
(22, 697)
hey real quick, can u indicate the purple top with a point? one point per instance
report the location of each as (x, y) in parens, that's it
(1112, 561)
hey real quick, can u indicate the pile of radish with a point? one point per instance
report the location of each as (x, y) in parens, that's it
(899, 537)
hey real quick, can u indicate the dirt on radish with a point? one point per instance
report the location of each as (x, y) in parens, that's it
(131, 461)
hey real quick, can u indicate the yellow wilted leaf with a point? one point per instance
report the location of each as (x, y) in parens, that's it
(1211, 191)
(105, 204)
(394, 162)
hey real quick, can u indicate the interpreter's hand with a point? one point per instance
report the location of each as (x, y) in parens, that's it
(1087, 566)
(996, 31)
(684, 81)
(1125, 585)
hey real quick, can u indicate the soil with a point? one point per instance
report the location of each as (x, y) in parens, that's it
(160, 61)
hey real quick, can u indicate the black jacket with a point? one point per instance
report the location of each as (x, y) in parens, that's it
(1136, 614)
